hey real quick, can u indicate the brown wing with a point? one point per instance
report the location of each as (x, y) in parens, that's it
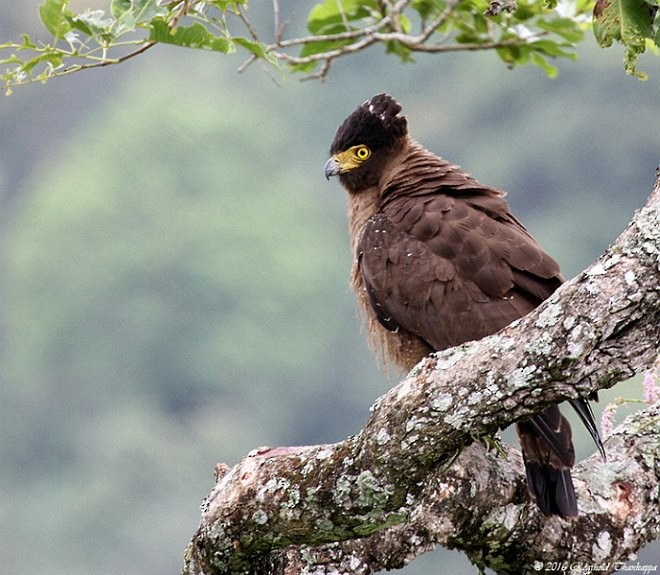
(452, 269)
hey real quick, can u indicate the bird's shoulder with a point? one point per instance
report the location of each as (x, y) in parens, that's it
(471, 234)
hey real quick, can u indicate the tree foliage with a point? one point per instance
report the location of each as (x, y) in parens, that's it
(521, 32)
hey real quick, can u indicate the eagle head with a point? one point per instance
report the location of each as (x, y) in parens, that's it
(364, 142)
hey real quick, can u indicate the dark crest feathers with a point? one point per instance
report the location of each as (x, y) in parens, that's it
(375, 124)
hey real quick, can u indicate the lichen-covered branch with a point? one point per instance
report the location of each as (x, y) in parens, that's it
(341, 505)
(460, 509)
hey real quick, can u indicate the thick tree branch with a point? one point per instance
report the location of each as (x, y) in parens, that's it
(507, 533)
(347, 502)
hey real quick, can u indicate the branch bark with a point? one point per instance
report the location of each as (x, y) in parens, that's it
(377, 500)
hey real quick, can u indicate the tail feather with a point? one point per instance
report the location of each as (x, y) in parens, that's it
(583, 409)
(552, 488)
(548, 454)
(555, 431)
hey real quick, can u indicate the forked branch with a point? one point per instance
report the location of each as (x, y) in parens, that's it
(380, 498)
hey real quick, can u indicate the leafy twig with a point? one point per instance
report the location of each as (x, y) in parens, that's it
(337, 28)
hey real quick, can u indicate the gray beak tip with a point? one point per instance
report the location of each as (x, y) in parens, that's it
(332, 168)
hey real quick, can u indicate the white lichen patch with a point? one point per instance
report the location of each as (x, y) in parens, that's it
(541, 345)
(382, 437)
(342, 492)
(324, 525)
(491, 388)
(506, 343)
(449, 358)
(650, 248)
(311, 495)
(549, 316)
(294, 497)
(597, 269)
(442, 402)
(370, 491)
(475, 398)
(602, 547)
(600, 268)
(324, 453)
(412, 423)
(509, 403)
(290, 512)
(493, 392)
(518, 377)
(579, 340)
(456, 419)
(409, 441)
(271, 486)
(593, 289)
(506, 517)
(403, 389)
(260, 517)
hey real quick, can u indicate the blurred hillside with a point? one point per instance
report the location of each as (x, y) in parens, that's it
(174, 269)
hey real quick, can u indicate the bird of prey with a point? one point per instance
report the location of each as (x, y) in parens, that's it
(439, 261)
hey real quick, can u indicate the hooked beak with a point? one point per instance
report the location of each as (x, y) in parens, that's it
(332, 167)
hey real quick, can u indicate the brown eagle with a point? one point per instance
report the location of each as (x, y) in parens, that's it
(440, 260)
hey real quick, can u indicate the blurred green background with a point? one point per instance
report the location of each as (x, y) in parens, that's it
(174, 268)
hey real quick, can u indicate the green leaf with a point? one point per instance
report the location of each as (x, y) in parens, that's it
(542, 63)
(119, 7)
(406, 24)
(307, 68)
(514, 55)
(257, 48)
(92, 23)
(219, 44)
(551, 48)
(428, 8)
(567, 28)
(136, 11)
(401, 50)
(52, 58)
(194, 36)
(224, 4)
(159, 31)
(333, 12)
(146, 10)
(626, 21)
(56, 17)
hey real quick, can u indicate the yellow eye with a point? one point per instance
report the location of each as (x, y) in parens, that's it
(362, 152)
